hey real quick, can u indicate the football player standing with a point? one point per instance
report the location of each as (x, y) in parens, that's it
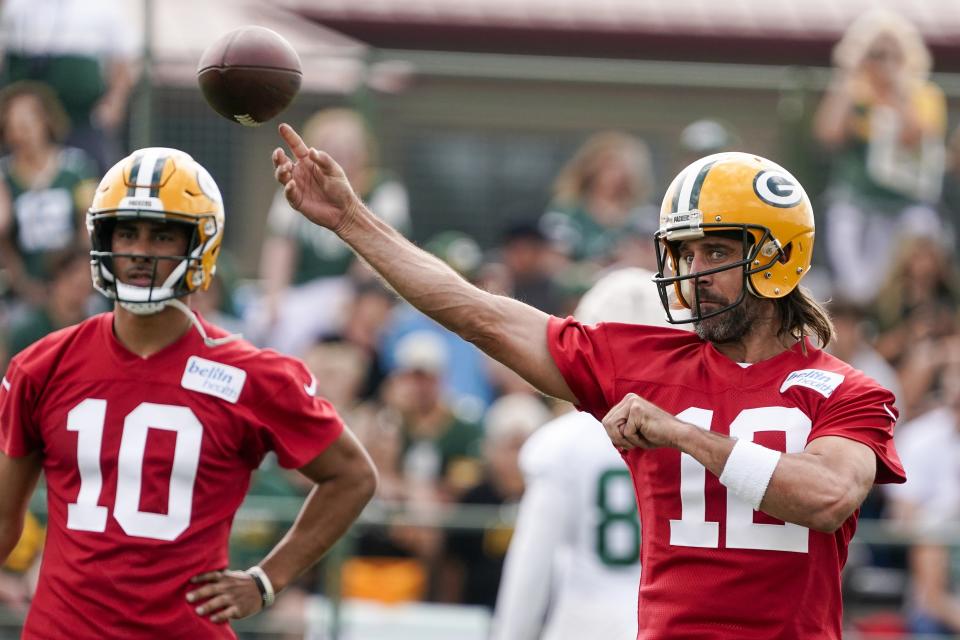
(749, 447)
(148, 422)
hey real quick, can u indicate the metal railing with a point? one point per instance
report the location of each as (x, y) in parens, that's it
(450, 517)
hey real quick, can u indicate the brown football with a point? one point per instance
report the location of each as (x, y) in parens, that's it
(249, 75)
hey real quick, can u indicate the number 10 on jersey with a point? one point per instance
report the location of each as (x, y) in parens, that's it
(88, 419)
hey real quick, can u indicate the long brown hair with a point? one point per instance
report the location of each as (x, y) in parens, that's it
(55, 118)
(801, 315)
(575, 178)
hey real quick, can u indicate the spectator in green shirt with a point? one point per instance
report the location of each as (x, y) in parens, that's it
(44, 188)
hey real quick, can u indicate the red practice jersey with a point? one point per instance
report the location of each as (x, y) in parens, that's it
(146, 463)
(713, 568)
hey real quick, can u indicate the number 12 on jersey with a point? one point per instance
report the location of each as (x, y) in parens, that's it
(694, 530)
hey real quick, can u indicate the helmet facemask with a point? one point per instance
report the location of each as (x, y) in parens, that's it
(680, 293)
(185, 278)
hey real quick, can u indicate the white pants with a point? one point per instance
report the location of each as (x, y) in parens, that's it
(862, 245)
(305, 313)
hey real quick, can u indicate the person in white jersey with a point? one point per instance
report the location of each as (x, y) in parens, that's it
(573, 565)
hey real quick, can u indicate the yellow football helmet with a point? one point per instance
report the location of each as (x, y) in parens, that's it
(157, 184)
(736, 193)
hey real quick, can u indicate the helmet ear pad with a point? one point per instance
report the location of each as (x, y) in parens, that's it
(782, 276)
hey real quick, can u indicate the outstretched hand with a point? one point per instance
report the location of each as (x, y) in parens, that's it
(313, 183)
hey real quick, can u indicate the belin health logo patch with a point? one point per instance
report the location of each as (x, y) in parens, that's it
(823, 382)
(213, 378)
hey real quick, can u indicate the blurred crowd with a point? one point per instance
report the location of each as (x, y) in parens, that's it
(443, 422)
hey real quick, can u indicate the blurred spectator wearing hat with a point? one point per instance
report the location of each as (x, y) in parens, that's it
(474, 558)
(85, 51)
(529, 262)
(305, 269)
(467, 383)
(440, 446)
(428, 456)
(884, 122)
(44, 191)
(601, 193)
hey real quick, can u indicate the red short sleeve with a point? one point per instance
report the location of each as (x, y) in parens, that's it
(294, 423)
(866, 414)
(18, 433)
(582, 354)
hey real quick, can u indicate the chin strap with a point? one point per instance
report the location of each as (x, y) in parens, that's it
(210, 342)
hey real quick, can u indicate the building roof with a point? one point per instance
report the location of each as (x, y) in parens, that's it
(755, 31)
(332, 61)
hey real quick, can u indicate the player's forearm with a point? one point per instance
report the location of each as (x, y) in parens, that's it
(326, 515)
(802, 490)
(9, 535)
(18, 477)
(11, 528)
(507, 330)
(805, 492)
(422, 279)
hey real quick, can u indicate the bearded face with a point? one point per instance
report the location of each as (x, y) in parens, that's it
(733, 325)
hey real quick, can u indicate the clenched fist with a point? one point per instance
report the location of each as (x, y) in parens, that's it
(634, 422)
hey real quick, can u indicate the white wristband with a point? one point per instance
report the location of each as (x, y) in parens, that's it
(748, 471)
(263, 584)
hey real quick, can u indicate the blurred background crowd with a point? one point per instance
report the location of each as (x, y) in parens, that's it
(531, 183)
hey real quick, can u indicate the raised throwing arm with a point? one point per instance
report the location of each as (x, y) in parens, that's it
(508, 330)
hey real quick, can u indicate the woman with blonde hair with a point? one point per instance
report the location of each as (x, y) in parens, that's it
(601, 193)
(884, 122)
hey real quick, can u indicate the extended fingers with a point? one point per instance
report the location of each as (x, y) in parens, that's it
(283, 168)
(279, 157)
(222, 598)
(204, 592)
(297, 146)
(215, 604)
(233, 611)
(292, 193)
